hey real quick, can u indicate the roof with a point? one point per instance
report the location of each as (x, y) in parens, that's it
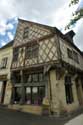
(44, 25)
(56, 30)
(9, 44)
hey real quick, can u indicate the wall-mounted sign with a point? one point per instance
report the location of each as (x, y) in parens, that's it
(3, 77)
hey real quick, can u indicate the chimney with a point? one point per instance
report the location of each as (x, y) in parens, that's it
(69, 35)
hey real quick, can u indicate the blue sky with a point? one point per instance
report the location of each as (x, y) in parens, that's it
(53, 13)
(8, 30)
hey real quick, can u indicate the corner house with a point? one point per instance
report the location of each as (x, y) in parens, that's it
(46, 71)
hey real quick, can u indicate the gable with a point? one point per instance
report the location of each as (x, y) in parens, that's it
(33, 31)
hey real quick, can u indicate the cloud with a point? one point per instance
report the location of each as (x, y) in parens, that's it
(10, 35)
(54, 13)
(7, 30)
(39, 9)
(79, 35)
(3, 43)
(10, 26)
(80, 5)
(4, 27)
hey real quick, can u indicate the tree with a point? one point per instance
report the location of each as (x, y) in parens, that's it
(73, 2)
(78, 14)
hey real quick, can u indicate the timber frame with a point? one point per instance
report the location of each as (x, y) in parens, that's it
(51, 62)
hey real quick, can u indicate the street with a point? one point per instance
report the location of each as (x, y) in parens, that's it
(12, 117)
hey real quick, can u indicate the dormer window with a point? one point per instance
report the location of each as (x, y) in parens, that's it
(26, 31)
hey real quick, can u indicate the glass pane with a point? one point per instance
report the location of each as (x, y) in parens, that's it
(30, 78)
(35, 51)
(28, 90)
(41, 94)
(40, 77)
(34, 90)
(28, 95)
(35, 95)
(17, 95)
(35, 77)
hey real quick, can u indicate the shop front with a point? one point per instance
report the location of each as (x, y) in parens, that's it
(29, 90)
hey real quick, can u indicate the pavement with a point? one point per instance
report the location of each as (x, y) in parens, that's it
(76, 121)
(12, 117)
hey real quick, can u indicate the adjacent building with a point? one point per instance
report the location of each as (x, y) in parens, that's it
(5, 64)
(47, 69)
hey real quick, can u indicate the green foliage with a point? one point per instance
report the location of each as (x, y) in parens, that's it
(76, 15)
(73, 2)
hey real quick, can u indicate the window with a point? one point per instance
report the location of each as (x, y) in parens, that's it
(41, 77)
(31, 52)
(17, 77)
(15, 54)
(26, 31)
(70, 54)
(4, 62)
(35, 77)
(17, 96)
(41, 93)
(35, 95)
(75, 56)
(68, 90)
(28, 95)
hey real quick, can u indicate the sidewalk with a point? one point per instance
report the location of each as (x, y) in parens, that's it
(76, 121)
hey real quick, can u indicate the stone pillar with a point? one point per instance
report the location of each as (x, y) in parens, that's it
(80, 92)
(54, 93)
(75, 96)
(61, 92)
(8, 93)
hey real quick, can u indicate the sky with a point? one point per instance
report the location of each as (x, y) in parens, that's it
(54, 13)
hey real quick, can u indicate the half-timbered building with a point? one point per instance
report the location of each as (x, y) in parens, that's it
(46, 69)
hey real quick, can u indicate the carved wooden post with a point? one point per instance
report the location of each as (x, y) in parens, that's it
(22, 100)
(13, 95)
(13, 88)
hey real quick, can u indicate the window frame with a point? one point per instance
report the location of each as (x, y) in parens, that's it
(70, 54)
(15, 54)
(31, 51)
(26, 32)
(39, 98)
(68, 90)
(75, 56)
(4, 62)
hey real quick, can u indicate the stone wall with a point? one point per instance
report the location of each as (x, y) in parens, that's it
(6, 53)
(58, 99)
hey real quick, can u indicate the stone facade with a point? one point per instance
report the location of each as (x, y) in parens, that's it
(5, 64)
